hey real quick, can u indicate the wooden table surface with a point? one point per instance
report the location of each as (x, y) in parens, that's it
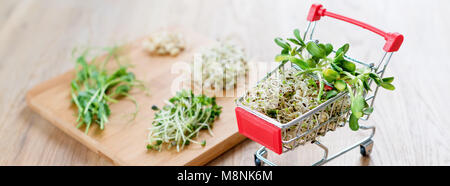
(413, 122)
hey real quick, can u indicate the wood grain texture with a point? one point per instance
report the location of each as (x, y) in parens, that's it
(413, 122)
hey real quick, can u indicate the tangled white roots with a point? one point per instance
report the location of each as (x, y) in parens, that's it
(284, 97)
(222, 65)
(164, 43)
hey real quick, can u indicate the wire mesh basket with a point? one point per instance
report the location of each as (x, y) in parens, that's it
(283, 137)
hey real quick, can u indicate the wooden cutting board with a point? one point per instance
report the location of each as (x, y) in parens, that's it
(124, 141)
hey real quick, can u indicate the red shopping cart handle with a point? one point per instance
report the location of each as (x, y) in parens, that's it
(393, 40)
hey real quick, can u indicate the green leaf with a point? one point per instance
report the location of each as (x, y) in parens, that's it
(87, 118)
(348, 66)
(330, 75)
(387, 86)
(388, 79)
(122, 71)
(353, 123)
(130, 77)
(300, 63)
(297, 35)
(294, 41)
(294, 51)
(101, 111)
(203, 143)
(74, 86)
(272, 113)
(375, 78)
(336, 67)
(282, 57)
(366, 86)
(331, 94)
(315, 50)
(343, 49)
(107, 109)
(358, 105)
(311, 63)
(338, 59)
(121, 89)
(149, 147)
(82, 61)
(340, 85)
(280, 42)
(328, 48)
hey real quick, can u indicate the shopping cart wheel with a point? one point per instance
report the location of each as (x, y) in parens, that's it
(366, 148)
(257, 161)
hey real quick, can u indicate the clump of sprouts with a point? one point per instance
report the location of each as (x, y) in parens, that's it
(164, 43)
(221, 65)
(181, 119)
(285, 96)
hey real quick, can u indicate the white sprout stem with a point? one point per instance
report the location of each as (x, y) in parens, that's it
(174, 124)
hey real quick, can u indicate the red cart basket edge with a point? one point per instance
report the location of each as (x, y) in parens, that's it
(269, 135)
(259, 130)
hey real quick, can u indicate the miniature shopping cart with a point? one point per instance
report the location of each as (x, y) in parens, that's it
(268, 132)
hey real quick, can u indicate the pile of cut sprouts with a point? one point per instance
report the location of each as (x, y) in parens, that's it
(164, 43)
(181, 119)
(284, 96)
(222, 64)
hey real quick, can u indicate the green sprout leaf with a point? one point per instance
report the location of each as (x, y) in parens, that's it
(282, 57)
(375, 78)
(311, 63)
(388, 79)
(328, 48)
(340, 85)
(343, 50)
(302, 64)
(297, 35)
(366, 86)
(331, 94)
(387, 86)
(358, 105)
(94, 88)
(353, 123)
(348, 66)
(203, 143)
(330, 75)
(315, 50)
(294, 41)
(338, 59)
(283, 44)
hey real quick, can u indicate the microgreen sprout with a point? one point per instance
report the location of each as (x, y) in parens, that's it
(286, 101)
(335, 72)
(181, 119)
(95, 87)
